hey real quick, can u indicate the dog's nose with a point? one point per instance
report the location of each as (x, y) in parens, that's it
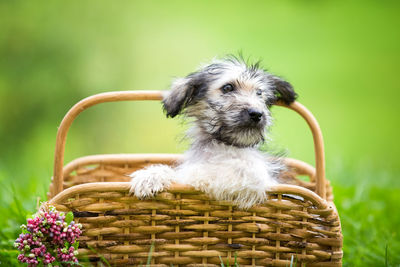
(254, 115)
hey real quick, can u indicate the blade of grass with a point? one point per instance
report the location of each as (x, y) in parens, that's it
(386, 255)
(220, 259)
(100, 256)
(150, 254)
(236, 262)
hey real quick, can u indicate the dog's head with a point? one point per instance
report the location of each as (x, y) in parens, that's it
(229, 99)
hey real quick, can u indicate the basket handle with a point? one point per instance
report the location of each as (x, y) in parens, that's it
(158, 95)
(318, 145)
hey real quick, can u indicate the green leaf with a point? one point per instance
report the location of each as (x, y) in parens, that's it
(69, 217)
(29, 216)
(76, 245)
(24, 231)
(41, 264)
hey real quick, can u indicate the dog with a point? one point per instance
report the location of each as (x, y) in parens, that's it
(229, 103)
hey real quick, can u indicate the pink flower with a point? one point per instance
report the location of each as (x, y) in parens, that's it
(43, 239)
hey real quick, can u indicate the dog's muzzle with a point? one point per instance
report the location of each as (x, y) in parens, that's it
(252, 117)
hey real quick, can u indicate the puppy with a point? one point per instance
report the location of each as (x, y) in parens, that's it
(229, 103)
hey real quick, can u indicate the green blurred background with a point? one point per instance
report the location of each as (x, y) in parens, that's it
(341, 56)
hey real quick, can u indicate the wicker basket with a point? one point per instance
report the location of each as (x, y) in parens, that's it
(298, 222)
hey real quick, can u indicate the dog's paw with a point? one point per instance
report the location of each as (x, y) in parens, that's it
(151, 180)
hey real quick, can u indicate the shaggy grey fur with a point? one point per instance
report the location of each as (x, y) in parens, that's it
(229, 101)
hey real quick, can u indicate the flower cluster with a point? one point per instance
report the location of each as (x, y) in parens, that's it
(49, 239)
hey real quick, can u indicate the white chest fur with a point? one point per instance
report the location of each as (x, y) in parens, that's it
(228, 173)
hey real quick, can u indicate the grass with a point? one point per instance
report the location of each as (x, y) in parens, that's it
(235, 263)
(367, 202)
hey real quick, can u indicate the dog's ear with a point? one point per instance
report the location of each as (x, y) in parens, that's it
(184, 92)
(282, 90)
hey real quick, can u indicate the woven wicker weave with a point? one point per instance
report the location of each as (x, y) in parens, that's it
(298, 222)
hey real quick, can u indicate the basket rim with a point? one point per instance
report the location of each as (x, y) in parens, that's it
(181, 188)
(304, 168)
(121, 158)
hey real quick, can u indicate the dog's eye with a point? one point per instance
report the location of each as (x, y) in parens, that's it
(259, 92)
(227, 88)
